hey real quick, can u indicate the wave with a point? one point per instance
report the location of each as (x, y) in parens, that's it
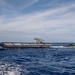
(9, 69)
(56, 46)
(61, 47)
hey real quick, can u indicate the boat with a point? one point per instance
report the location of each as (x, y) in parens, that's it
(39, 43)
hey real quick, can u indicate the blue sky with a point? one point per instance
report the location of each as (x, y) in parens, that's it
(51, 20)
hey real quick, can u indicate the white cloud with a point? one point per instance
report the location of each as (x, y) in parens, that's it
(40, 19)
(41, 24)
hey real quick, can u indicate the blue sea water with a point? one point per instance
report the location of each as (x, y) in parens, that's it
(57, 60)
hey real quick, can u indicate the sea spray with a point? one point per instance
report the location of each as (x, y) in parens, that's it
(9, 69)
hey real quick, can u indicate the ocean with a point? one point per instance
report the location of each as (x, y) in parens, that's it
(56, 60)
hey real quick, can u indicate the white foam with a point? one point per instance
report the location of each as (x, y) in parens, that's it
(13, 73)
(61, 47)
(9, 69)
(56, 46)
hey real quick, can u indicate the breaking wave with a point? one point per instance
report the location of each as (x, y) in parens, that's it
(61, 47)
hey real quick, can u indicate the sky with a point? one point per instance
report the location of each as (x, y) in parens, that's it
(50, 20)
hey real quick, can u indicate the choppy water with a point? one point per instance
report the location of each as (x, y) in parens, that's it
(38, 61)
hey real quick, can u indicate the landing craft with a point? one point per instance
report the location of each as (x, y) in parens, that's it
(39, 43)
